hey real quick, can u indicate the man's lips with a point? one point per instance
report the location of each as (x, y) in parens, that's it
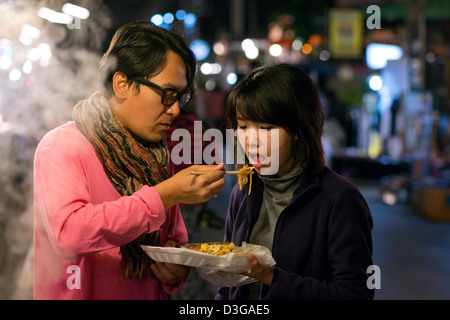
(165, 124)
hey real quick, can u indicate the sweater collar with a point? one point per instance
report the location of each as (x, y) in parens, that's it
(307, 182)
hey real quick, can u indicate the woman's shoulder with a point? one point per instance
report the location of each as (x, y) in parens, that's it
(335, 184)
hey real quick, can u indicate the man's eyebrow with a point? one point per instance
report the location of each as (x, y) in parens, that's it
(173, 86)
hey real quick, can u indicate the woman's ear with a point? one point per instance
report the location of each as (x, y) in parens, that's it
(120, 85)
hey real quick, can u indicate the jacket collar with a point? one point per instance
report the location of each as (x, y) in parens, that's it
(307, 183)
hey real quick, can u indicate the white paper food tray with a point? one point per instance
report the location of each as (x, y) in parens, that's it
(222, 271)
(194, 258)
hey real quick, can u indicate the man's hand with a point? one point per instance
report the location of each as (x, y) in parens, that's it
(168, 272)
(186, 188)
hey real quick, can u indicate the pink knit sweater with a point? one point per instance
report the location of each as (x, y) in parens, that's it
(81, 221)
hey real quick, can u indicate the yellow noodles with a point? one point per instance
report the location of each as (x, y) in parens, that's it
(243, 175)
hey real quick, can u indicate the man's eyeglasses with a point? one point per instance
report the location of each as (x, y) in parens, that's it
(169, 95)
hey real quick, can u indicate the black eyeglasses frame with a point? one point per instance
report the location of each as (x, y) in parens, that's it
(178, 97)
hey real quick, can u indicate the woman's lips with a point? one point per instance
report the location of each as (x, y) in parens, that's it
(257, 165)
(258, 161)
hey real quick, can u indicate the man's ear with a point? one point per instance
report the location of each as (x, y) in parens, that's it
(120, 85)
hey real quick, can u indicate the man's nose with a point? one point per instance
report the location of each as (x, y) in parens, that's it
(174, 110)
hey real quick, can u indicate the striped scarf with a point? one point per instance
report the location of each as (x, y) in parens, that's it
(129, 165)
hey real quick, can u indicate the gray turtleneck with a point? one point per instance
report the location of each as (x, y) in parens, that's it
(277, 194)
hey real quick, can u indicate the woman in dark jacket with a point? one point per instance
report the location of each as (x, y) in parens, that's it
(316, 223)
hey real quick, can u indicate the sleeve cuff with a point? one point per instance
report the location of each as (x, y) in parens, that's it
(275, 290)
(155, 207)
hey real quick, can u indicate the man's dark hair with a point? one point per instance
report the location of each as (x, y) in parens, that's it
(138, 50)
(285, 96)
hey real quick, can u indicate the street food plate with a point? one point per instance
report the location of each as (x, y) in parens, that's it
(221, 270)
(228, 262)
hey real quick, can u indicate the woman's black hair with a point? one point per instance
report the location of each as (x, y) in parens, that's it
(285, 96)
(138, 50)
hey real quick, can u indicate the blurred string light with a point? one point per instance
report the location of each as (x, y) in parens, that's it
(69, 11)
(275, 50)
(306, 48)
(324, 55)
(315, 40)
(31, 81)
(250, 50)
(157, 19)
(168, 18)
(389, 198)
(200, 48)
(15, 74)
(27, 67)
(210, 84)
(45, 52)
(297, 44)
(252, 53)
(42, 52)
(34, 54)
(247, 44)
(180, 14)
(378, 54)
(375, 82)
(28, 34)
(190, 20)
(54, 16)
(5, 54)
(210, 68)
(75, 11)
(165, 21)
(232, 78)
(219, 48)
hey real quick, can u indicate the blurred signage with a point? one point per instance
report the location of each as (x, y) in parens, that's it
(346, 33)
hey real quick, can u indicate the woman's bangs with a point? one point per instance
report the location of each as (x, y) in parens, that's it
(252, 108)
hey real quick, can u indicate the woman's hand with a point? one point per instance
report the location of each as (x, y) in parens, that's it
(261, 272)
(186, 188)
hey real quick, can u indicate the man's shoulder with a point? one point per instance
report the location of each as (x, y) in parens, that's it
(65, 138)
(66, 133)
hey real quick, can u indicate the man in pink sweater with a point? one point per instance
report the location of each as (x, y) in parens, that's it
(104, 182)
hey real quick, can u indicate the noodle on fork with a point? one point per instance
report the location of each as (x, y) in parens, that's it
(242, 176)
(244, 173)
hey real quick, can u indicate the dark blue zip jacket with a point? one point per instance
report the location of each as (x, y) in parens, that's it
(322, 243)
